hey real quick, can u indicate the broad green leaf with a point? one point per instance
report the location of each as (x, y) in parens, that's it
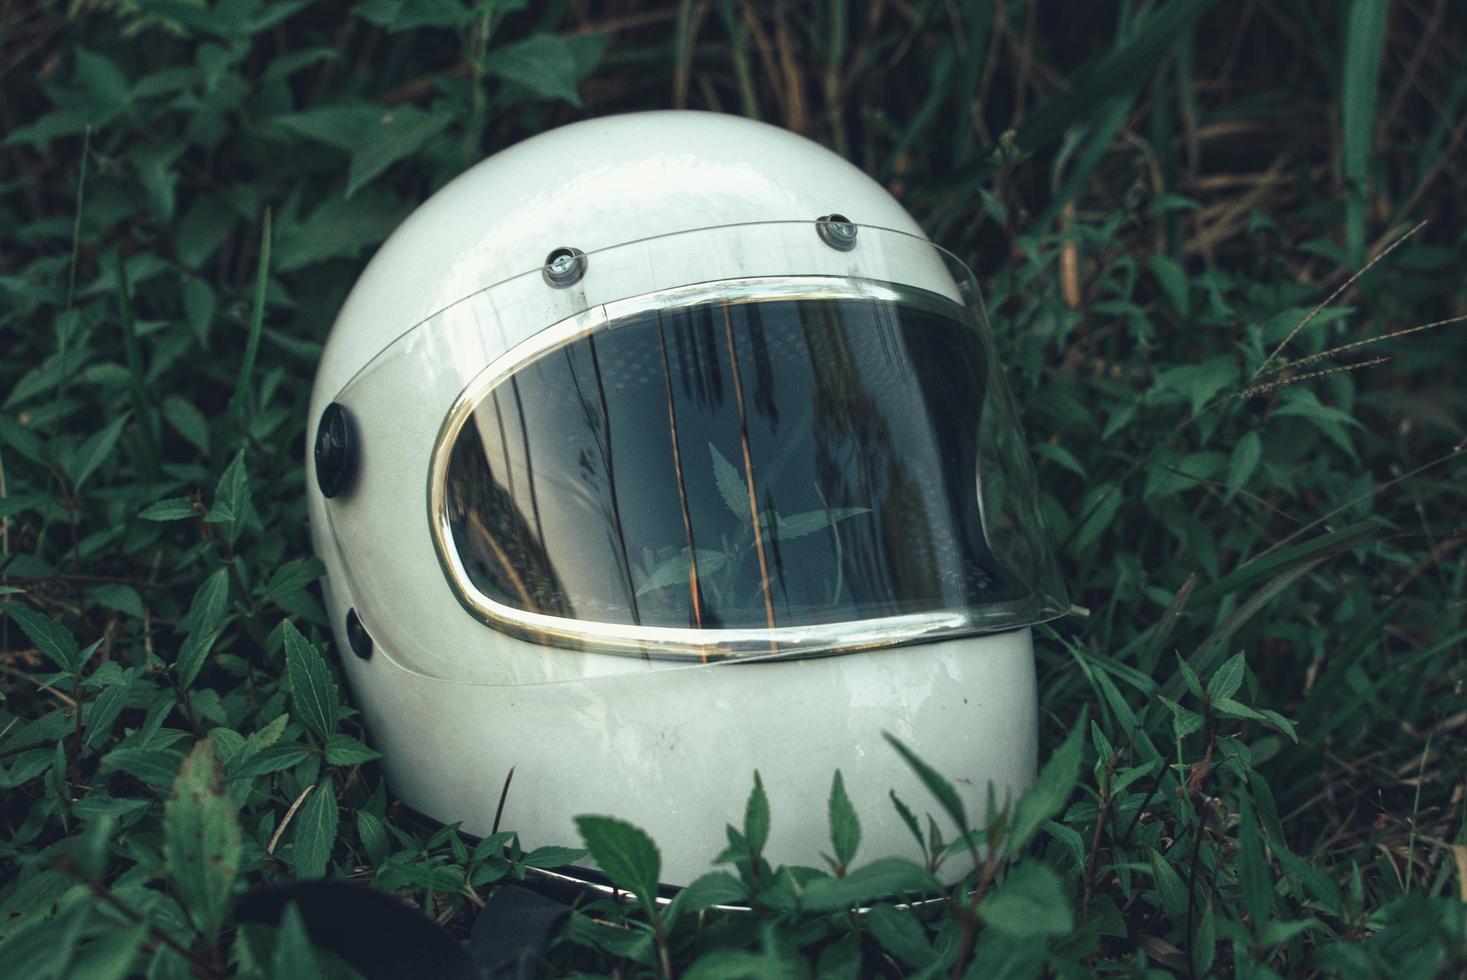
(625, 853)
(122, 598)
(1173, 280)
(201, 839)
(192, 654)
(231, 508)
(187, 421)
(210, 602)
(883, 878)
(343, 750)
(271, 758)
(1169, 887)
(96, 449)
(311, 685)
(901, 935)
(315, 831)
(157, 767)
(713, 888)
(1365, 34)
(1244, 460)
(1228, 679)
(553, 856)
(50, 637)
(845, 826)
(396, 133)
(756, 817)
(936, 785)
(105, 707)
(543, 63)
(172, 509)
(294, 957)
(1050, 792)
(293, 577)
(1030, 904)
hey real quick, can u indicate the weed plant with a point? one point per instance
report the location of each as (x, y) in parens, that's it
(1253, 460)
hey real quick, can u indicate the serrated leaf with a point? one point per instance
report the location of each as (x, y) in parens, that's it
(293, 577)
(201, 839)
(901, 935)
(1169, 887)
(845, 826)
(1227, 680)
(1244, 460)
(211, 599)
(756, 817)
(271, 758)
(675, 569)
(105, 708)
(883, 878)
(936, 784)
(799, 525)
(172, 509)
(118, 597)
(231, 508)
(343, 750)
(192, 654)
(96, 449)
(188, 422)
(157, 767)
(1031, 903)
(394, 134)
(1052, 788)
(373, 836)
(713, 888)
(1236, 709)
(543, 63)
(626, 854)
(311, 686)
(553, 856)
(50, 637)
(731, 486)
(315, 831)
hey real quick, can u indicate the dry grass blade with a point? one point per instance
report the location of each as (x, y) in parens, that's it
(1333, 296)
(1355, 345)
(1263, 389)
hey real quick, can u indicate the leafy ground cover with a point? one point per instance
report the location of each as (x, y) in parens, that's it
(1254, 462)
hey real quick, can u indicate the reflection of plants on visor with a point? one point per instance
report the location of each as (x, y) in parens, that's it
(716, 570)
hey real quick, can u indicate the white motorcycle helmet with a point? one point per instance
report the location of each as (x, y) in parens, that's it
(664, 448)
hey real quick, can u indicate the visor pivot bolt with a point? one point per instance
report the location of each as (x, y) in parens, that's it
(837, 231)
(357, 636)
(564, 267)
(335, 450)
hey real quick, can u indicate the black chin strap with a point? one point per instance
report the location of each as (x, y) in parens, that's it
(383, 938)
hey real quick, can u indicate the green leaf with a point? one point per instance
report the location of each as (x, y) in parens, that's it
(1169, 887)
(1244, 460)
(396, 133)
(96, 449)
(756, 817)
(106, 707)
(1255, 877)
(201, 839)
(122, 598)
(1227, 680)
(1173, 279)
(192, 654)
(675, 569)
(713, 888)
(1030, 904)
(293, 577)
(901, 935)
(311, 684)
(50, 637)
(799, 525)
(271, 758)
(731, 486)
(936, 785)
(211, 600)
(232, 509)
(1050, 791)
(315, 831)
(172, 509)
(294, 957)
(845, 826)
(883, 878)
(187, 421)
(543, 63)
(343, 750)
(626, 854)
(1236, 709)
(157, 767)
(553, 856)
(243, 399)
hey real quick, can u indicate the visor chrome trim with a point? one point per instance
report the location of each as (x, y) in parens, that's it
(683, 643)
